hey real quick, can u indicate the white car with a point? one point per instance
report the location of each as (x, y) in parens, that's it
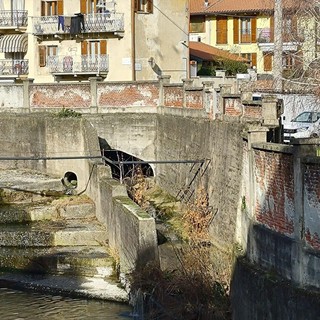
(305, 125)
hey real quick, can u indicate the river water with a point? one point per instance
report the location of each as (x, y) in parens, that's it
(19, 305)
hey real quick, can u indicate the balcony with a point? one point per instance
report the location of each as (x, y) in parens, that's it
(13, 19)
(264, 35)
(13, 68)
(91, 23)
(79, 65)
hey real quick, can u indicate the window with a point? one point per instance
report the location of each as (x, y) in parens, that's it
(197, 24)
(47, 55)
(51, 8)
(88, 6)
(288, 61)
(222, 31)
(267, 61)
(93, 48)
(143, 6)
(244, 30)
(251, 57)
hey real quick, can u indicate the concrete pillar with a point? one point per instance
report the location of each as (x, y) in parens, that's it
(224, 89)
(186, 83)
(270, 111)
(208, 98)
(94, 93)
(163, 80)
(26, 94)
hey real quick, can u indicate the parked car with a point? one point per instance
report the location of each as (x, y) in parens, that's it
(305, 125)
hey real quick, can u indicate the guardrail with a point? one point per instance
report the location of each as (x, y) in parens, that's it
(95, 22)
(79, 64)
(15, 18)
(9, 67)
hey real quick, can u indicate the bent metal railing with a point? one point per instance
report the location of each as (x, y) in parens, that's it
(9, 67)
(79, 64)
(95, 22)
(13, 18)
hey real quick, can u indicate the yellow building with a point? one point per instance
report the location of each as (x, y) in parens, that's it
(73, 40)
(245, 28)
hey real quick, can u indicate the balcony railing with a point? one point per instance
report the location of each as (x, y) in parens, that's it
(16, 18)
(9, 67)
(93, 64)
(96, 22)
(264, 35)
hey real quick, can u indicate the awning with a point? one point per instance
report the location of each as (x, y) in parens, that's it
(208, 53)
(14, 43)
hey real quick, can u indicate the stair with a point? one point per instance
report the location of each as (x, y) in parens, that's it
(52, 241)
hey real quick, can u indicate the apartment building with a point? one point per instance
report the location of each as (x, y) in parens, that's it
(74, 40)
(246, 28)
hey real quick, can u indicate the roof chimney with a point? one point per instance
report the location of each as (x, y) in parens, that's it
(206, 3)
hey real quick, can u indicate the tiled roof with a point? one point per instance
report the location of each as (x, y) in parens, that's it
(235, 6)
(209, 53)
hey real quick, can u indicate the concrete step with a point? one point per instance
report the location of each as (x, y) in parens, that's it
(74, 286)
(66, 208)
(84, 261)
(53, 233)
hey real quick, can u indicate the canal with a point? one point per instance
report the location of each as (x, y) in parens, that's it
(20, 305)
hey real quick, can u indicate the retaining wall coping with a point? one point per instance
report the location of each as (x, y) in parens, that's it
(275, 147)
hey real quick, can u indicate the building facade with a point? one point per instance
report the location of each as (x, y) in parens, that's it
(73, 40)
(246, 28)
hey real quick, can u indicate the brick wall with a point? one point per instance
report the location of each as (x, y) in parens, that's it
(274, 190)
(253, 112)
(194, 99)
(128, 94)
(233, 107)
(60, 95)
(173, 96)
(312, 204)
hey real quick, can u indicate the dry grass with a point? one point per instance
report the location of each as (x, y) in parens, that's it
(194, 290)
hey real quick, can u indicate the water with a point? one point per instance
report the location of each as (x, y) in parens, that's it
(18, 305)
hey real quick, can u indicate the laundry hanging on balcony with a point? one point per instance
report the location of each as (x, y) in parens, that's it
(14, 43)
(77, 24)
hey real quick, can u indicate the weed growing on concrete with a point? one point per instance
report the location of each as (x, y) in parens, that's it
(68, 113)
(192, 290)
(114, 254)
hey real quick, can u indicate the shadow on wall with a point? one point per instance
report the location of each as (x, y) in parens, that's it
(123, 165)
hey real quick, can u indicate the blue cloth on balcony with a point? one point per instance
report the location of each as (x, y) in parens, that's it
(61, 22)
(77, 24)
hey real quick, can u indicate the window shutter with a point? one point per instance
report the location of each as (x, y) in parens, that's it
(136, 5)
(253, 60)
(254, 30)
(267, 61)
(222, 32)
(150, 6)
(84, 48)
(42, 56)
(43, 8)
(83, 6)
(235, 30)
(103, 47)
(272, 29)
(60, 7)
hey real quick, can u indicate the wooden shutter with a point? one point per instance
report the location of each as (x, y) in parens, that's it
(42, 56)
(103, 46)
(43, 8)
(253, 60)
(136, 5)
(272, 29)
(222, 32)
(84, 48)
(253, 30)
(83, 6)
(235, 30)
(60, 7)
(267, 61)
(149, 8)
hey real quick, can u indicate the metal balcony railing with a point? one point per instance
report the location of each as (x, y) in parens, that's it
(16, 18)
(264, 35)
(79, 64)
(9, 67)
(95, 22)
